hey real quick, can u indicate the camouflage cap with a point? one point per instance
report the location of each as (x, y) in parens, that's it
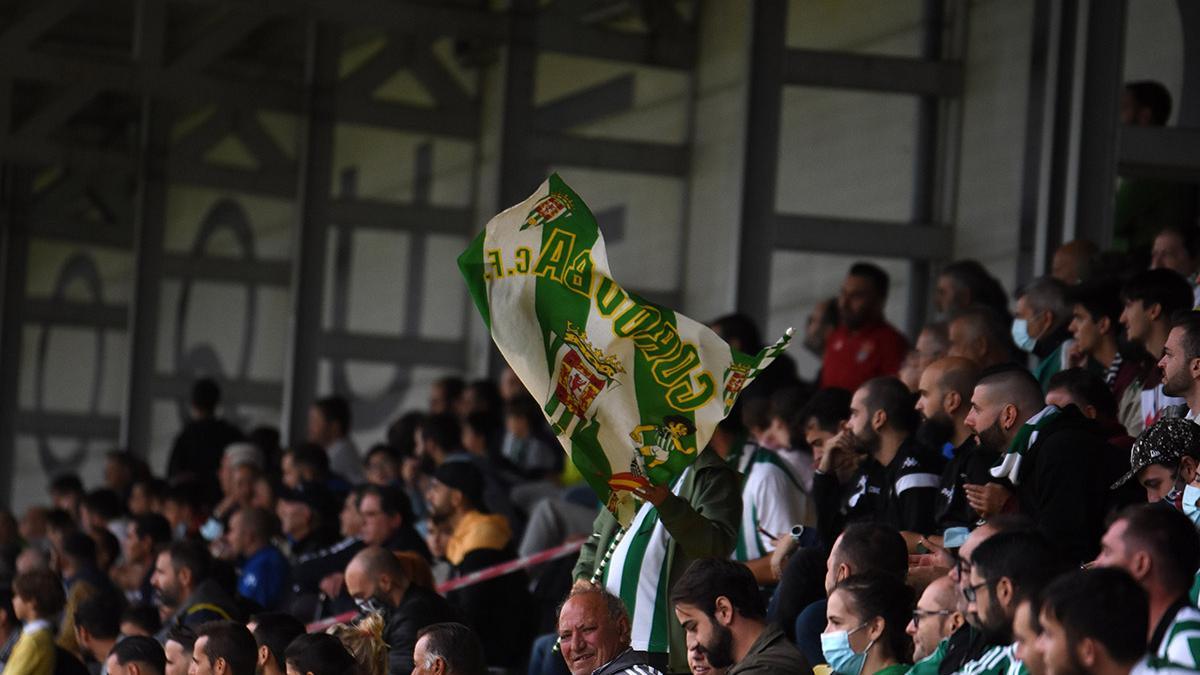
(1164, 443)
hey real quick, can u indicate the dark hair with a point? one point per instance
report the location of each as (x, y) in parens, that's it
(1019, 385)
(707, 579)
(335, 409)
(143, 616)
(155, 488)
(452, 385)
(481, 423)
(104, 503)
(756, 412)
(187, 493)
(886, 596)
(261, 522)
(155, 526)
(891, 396)
(524, 406)
(1104, 604)
(275, 631)
(312, 456)
(6, 596)
(1188, 236)
(442, 430)
(66, 483)
(80, 547)
(1152, 95)
(182, 634)
(1088, 388)
(1100, 298)
(319, 654)
(58, 520)
(987, 322)
(1025, 558)
(1171, 540)
(231, 641)
(739, 327)
(873, 273)
(392, 501)
(457, 645)
(44, 589)
(828, 408)
(381, 449)
(487, 396)
(984, 289)
(1188, 322)
(108, 547)
(874, 548)
(100, 614)
(831, 315)
(193, 556)
(205, 394)
(1165, 288)
(401, 434)
(142, 649)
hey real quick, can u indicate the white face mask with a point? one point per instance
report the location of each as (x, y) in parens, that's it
(1191, 495)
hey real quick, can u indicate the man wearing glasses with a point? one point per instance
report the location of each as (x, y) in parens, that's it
(935, 619)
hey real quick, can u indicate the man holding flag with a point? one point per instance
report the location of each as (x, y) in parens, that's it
(632, 390)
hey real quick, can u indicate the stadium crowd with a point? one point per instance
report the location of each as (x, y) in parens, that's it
(1016, 491)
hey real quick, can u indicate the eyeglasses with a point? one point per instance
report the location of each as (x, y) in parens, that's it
(919, 614)
(970, 592)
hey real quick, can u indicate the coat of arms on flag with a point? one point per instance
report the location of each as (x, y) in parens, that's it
(632, 389)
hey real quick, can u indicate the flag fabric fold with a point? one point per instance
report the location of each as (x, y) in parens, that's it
(631, 389)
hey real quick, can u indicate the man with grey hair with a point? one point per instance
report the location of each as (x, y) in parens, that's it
(1040, 326)
(448, 649)
(593, 633)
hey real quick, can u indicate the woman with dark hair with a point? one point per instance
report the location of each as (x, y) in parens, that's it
(865, 635)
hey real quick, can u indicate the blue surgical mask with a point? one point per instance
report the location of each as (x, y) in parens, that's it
(1191, 494)
(1020, 335)
(840, 656)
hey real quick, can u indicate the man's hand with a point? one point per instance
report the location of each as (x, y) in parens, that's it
(1075, 356)
(583, 585)
(785, 545)
(331, 585)
(987, 500)
(655, 494)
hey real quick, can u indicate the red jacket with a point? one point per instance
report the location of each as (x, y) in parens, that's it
(853, 357)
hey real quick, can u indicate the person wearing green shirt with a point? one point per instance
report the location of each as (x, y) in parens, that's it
(934, 620)
(865, 631)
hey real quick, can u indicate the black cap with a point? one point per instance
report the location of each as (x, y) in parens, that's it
(314, 495)
(463, 476)
(1164, 443)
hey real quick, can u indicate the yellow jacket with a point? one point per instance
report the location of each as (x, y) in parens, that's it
(477, 530)
(34, 652)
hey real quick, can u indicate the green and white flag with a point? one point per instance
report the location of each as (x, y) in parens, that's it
(631, 389)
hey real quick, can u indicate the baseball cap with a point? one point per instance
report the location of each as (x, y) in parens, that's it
(464, 476)
(1164, 443)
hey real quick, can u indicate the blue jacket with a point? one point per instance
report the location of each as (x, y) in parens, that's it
(264, 577)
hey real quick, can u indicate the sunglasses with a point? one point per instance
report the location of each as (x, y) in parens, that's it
(919, 614)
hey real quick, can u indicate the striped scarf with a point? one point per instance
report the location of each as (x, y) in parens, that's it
(1009, 465)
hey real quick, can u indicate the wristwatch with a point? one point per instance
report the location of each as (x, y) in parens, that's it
(797, 531)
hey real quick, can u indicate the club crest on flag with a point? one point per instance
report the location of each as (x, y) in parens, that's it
(735, 380)
(548, 209)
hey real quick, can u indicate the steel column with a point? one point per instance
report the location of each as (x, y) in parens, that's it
(16, 186)
(1104, 59)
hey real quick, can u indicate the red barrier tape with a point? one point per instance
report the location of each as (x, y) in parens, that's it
(473, 578)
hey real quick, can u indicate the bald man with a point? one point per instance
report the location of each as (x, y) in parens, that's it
(1073, 261)
(979, 333)
(944, 399)
(378, 583)
(936, 618)
(1050, 461)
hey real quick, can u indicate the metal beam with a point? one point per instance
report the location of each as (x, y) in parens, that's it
(896, 74)
(403, 350)
(1104, 62)
(78, 231)
(455, 122)
(611, 154)
(272, 183)
(52, 115)
(760, 175)
(1160, 152)
(232, 270)
(590, 104)
(68, 313)
(255, 392)
(1035, 135)
(379, 214)
(16, 188)
(39, 152)
(67, 424)
(564, 34)
(406, 17)
(850, 236)
(1189, 97)
(43, 17)
(313, 201)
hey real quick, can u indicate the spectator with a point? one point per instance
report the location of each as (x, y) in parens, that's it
(329, 427)
(697, 517)
(1055, 473)
(241, 467)
(452, 645)
(147, 536)
(382, 466)
(719, 606)
(1095, 326)
(183, 507)
(98, 624)
(1006, 568)
(897, 481)
(387, 520)
(742, 333)
(456, 495)
(966, 283)
(1040, 326)
(1151, 298)
(37, 600)
(1177, 249)
(318, 654)
(364, 640)
(864, 345)
(273, 632)
(822, 418)
(981, 335)
(1164, 460)
(10, 626)
(140, 620)
(786, 433)
(934, 620)
(932, 344)
(772, 502)
(1026, 631)
(184, 589)
(943, 400)
(1085, 390)
(137, 655)
(177, 647)
(521, 445)
(1160, 548)
(121, 470)
(444, 395)
(223, 648)
(308, 463)
(66, 493)
(196, 452)
(1180, 362)
(593, 630)
(1074, 261)
(378, 583)
(306, 518)
(698, 662)
(264, 574)
(821, 322)
(868, 610)
(1093, 621)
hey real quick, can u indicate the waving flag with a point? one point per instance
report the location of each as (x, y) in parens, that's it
(631, 389)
